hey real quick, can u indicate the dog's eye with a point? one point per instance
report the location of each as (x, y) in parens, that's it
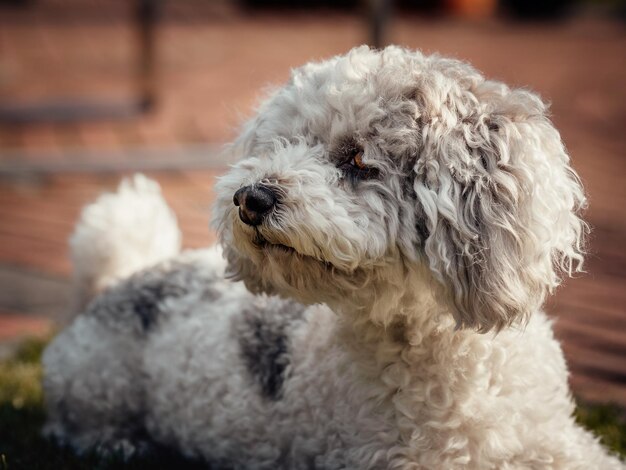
(357, 160)
(354, 168)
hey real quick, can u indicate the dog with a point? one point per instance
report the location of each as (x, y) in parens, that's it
(387, 239)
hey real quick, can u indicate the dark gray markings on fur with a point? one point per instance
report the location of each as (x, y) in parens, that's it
(263, 335)
(149, 297)
(422, 230)
(141, 299)
(420, 217)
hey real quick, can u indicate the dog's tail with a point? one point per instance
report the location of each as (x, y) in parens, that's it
(120, 233)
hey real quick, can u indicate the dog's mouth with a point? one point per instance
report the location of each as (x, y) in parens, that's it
(264, 245)
(282, 251)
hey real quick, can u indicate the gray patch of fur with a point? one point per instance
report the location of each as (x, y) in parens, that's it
(262, 332)
(141, 300)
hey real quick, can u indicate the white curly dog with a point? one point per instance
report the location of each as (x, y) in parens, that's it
(397, 222)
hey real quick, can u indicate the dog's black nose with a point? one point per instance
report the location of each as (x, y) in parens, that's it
(254, 203)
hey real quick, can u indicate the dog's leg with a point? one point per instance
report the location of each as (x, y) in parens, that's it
(93, 395)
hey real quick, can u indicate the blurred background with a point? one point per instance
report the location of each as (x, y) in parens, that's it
(92, 90)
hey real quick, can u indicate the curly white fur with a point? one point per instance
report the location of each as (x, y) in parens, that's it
(120, 234)
(418, 341)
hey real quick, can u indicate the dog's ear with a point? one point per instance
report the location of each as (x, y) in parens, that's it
(498, 203)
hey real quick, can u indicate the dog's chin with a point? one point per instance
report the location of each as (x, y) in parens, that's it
(274, 267)
(277, 250)
(263, 247)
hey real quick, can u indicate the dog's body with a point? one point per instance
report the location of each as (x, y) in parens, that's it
(403, 203)
(260, 382)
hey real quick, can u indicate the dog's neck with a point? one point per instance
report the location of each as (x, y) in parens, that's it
(404, 307)
(399, 343)
(394, 315)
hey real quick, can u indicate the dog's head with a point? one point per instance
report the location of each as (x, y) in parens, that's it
(374, 166)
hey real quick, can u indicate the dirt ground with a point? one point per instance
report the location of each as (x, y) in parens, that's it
(214, 64)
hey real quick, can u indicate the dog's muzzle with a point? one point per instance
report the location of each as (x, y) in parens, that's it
(254, 203)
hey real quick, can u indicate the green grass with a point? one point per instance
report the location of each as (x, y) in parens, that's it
(22, 416)
(607, 421)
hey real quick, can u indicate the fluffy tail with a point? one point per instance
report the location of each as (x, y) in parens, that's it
(120, 233)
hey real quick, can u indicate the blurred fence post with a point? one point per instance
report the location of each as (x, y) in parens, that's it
(379, 13)
(145, 20)
(148, 14)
